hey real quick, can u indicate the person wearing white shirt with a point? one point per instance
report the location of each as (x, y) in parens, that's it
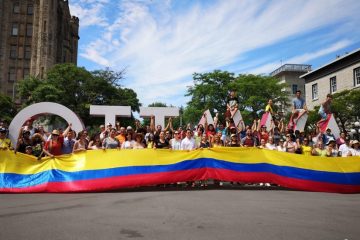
(175, 143)
(345, 148)
(355, 150)
(188, 143)
(271, 145)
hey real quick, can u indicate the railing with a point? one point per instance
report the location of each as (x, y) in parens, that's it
(292, 68)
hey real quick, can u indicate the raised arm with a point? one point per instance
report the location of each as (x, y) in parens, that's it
(152, 123)
(67, 130)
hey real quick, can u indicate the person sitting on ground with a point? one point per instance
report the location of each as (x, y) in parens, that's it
(82, 143)
(324, 109)
(5, 143)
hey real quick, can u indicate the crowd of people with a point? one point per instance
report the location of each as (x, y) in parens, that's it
(34, 140)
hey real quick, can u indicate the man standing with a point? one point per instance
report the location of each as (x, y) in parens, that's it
(298, 108)
(188, 143)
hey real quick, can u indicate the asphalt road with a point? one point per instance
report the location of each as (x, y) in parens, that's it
(236, 213)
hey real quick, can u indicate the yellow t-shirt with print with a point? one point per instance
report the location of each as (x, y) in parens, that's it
(306, 150)
(5, 144)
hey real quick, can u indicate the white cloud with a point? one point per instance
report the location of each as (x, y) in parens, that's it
(162, 46)
(90, 12)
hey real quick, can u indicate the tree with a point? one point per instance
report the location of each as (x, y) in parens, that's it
(345, 107)
(77, 89)
(210, 91)
(7, 108)
(254, 91)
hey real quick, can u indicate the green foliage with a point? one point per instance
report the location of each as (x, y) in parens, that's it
(211, 90)
(77, 89)
(157, 104)
(254, 91)
(7, 108)
(345, 107)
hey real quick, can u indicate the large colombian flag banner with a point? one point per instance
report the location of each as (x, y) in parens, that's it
(99, 170)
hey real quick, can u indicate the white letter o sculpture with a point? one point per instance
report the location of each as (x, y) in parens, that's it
(43, 108)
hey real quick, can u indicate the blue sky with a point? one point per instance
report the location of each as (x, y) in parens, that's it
(161, 43)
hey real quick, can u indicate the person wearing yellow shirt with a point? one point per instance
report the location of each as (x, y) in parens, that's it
(268, 107)
(306, 149)
(5, 143)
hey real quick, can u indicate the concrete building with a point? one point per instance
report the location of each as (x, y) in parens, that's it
(341, 74)
(290, 75)
(34, 35)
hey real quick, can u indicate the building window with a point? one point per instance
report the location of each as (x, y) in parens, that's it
(30, 9)
(29, 29)
(357, 77)
(13, 51)
(12, 75)
(16, 8)
(294, 88)
(314, 91)
(333, 86)
(15, 29)
(26, 72)
(27, 52)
